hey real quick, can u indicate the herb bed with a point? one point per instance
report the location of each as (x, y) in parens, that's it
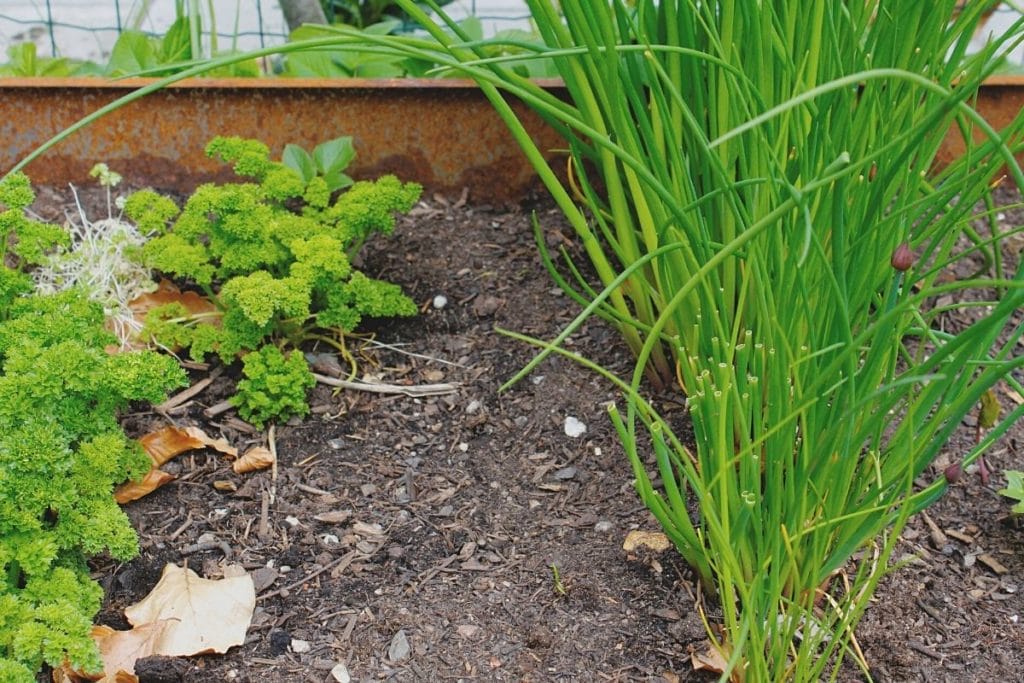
(463, 561)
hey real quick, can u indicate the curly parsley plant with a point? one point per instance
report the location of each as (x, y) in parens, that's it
(62, 451)
(275, 255)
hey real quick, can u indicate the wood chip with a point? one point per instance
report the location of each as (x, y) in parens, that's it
(992, 563)
(963, 538)
(938, 538)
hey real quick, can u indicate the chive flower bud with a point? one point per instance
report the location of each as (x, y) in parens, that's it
(902, 258)
(953, 472)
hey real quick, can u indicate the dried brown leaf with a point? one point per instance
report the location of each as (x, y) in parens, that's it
(133, 490)
(121, 649)
(204, 615)
(161, 445)
(257, 458)
(710, 660)
(168, 293)
(168, 442)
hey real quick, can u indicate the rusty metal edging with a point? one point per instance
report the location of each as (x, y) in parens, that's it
(441, 133)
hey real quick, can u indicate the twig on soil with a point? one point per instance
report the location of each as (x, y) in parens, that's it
(426, 576)
(382, 388)
(209, 545)
(181, 529)
(218, 408)
(923, 649)
(349, 627)
(272, 443)
(340, 563)
(312, 489)
(263, 531)
(191, 392)
(398, 349)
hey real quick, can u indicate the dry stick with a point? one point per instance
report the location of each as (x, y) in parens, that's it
(191, 392)
(218, 408)
(341, 563)
(273, 464)
(263, 531)
(381, 388)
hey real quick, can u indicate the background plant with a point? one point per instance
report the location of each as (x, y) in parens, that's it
(328, 160)
(752, 171)
(275, 256)
(63, 452)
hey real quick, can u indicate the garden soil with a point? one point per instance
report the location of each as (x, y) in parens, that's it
(471, 536)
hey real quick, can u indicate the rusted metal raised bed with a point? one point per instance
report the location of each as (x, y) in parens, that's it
(442, 133)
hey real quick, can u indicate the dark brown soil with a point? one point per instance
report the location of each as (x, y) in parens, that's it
(484, 536)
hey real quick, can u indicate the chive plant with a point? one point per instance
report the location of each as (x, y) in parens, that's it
(753, 183)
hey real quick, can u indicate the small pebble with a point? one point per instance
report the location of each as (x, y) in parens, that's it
(329, 539)
(399, 648)
(340, 673)
(565, 473)
(336, 444)
(300, 646)
(440, 301)
(603, 527)
(473, 407)
(292, 521)
(574, 428)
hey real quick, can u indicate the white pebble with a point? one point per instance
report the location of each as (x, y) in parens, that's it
(574, 428)
(292, 521)
(473, 407)
(440, 301)
(300, 646)
(340, 673)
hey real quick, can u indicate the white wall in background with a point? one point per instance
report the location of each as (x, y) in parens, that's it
(22, 20)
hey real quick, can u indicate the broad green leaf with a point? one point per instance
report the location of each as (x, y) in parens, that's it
(1014, 489)
(133, 51)
(334, 156)
(337, 180)
(298, 159)
(315, 65)
(176, 45)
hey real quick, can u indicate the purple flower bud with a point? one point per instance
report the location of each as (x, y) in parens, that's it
(953, 473)
(902, 258)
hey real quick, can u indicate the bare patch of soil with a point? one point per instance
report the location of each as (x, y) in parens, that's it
(468, 537)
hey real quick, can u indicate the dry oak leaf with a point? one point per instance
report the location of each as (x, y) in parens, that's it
(256, 458)
(710, 660)
(161, 445)
(204, 615)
